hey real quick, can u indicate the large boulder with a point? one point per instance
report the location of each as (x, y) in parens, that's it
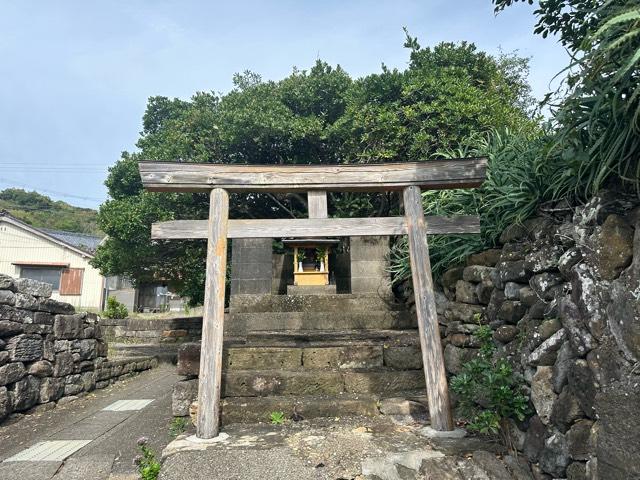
(611, 247)
(33, 287)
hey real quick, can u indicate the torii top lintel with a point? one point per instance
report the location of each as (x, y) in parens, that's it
(203, 177)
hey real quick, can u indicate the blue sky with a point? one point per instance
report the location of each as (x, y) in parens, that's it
(75, 75)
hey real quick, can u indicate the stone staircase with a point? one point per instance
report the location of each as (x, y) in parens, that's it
(310, 355)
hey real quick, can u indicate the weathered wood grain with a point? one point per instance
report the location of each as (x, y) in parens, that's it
(432, 356)
(317, 204)
(208, 419)
(199, 177)
(313, 227)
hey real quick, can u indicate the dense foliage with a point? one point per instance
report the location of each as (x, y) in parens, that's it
(520, 177)
(488, 390)
(593, 139)
(597, 112)
(323, 116)
(42, 212)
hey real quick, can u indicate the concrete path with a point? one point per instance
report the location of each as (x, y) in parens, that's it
(104, 441)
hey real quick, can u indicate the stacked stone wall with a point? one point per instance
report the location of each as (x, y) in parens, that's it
(48, 352)
(141, 330)
(562, 296)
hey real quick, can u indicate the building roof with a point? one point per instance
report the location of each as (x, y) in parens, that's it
(83, 241)
(80, 242)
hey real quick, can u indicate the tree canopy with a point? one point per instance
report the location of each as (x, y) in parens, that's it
(321, 116)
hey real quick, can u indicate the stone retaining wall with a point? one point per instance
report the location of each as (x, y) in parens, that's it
(137, 330)
(562, 296)
(49, 353)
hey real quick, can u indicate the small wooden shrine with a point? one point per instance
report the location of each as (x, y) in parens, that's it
(311, 260)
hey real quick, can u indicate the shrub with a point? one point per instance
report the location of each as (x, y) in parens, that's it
(115, 309)
(489, 391)
(148, 466)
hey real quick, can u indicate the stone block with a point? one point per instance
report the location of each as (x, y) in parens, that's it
(456, 357)
(513, 271)
(51, 389)
(543, 396)
(11, 372)
(463, 312)
(253, 358)
(5, 403)
(9, 328)
(546, 353)
(466, 292)
(7, 312)
(63, 364)
(505, 333)
(565, 410)
(612, 247)
(7, 297)
(25, 348)
(184, 393)
(264, 383)
(384, 382)
(451, 276)
(580, 442)
(50, 305)
(7, 283)
(582, 385)
(25, 393)
(407, 357)
(511, 311)
(189, 359)
(477, 273)
(534, 439)
(68, 326)
(487, 258)
(26, 301)
(41, 369)
(554, 458)
(33, 287)
(355, 356)
(484, 290)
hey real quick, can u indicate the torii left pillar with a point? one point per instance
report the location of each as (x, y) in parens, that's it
(210, 380)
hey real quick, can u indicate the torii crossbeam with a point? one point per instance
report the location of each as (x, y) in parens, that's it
(316, 180)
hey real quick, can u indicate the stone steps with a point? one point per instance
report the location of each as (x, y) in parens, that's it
(391, 350)
(259, 409)
(246, 323)
(262, 383)
(313, 303)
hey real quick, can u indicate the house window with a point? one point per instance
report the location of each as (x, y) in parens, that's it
(50, 275)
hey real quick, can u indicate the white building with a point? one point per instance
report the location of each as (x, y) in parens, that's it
(56, 257)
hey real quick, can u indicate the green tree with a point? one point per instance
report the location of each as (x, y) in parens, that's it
(318, 116)
(598, 109)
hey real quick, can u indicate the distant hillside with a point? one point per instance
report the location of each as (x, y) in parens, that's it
(40, 211)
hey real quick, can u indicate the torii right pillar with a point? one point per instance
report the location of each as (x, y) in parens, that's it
(429, 331)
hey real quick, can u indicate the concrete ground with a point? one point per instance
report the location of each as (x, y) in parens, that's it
(360, 448)
(111, 435)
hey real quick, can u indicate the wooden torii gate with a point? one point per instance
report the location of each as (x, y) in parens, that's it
(316, 180)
